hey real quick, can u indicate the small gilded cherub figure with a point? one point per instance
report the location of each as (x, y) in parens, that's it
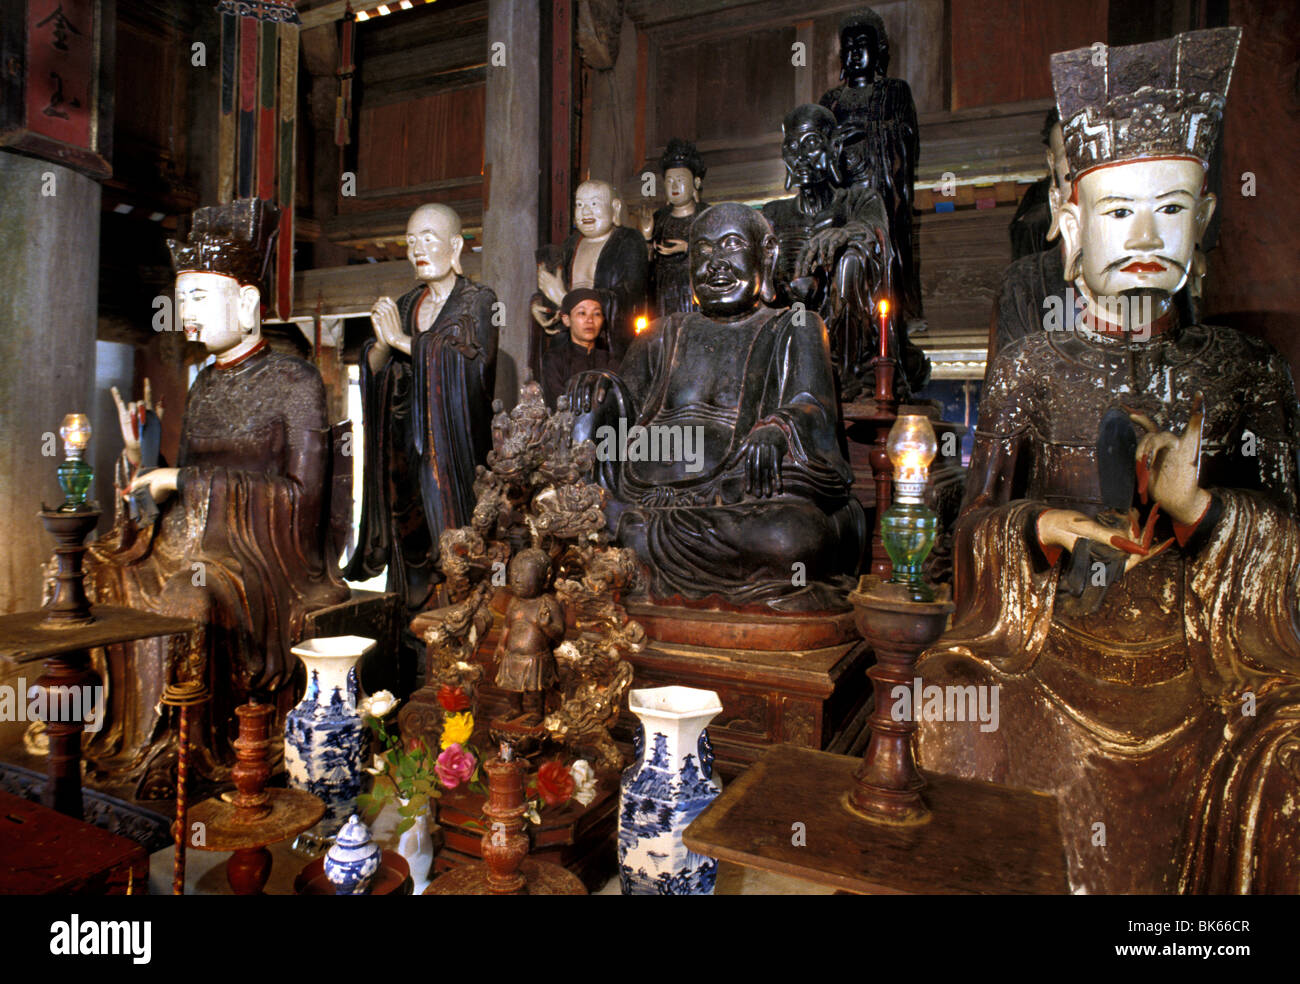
(534, 625)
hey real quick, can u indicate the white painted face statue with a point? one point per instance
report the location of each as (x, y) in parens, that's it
(434, 242)
(1135, 226)
(595, 209)
(215, 310)
(680, 185)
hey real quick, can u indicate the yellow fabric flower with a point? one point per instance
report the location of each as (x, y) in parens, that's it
(457, 728)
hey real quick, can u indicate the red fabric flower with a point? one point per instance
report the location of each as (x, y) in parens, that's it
(452, 699)
(555, 784)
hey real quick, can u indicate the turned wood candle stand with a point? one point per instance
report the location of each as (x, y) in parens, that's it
(887, 786)
(254, 816)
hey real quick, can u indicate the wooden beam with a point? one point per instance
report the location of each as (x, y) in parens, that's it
(561, 118)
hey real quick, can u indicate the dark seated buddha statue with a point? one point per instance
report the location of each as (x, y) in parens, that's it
(717, 439)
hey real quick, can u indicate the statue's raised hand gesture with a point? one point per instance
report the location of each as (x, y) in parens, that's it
(1169, 465)
(129, 419)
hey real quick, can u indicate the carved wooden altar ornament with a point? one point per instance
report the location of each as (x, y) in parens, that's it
(238, 539)
(1129, 540)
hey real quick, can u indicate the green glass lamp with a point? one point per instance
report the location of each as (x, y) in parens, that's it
(909, 526)
(75, 475)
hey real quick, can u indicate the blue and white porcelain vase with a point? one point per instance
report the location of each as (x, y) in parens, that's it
(668, 786)
(350, 865)
(325, 739)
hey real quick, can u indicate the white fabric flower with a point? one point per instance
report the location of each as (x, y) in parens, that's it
(378, 705)
(380, 766)
(584, 778)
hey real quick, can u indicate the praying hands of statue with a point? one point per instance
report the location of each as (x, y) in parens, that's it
(387, 323)
(130, 417)
(1169, 465)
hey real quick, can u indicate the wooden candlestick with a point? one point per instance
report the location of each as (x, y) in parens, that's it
(252, 802)
(70, 606)
(887, 786)
(506, 867)
(505, 842)
(255, 816)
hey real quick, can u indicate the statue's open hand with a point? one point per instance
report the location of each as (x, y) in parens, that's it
(161, 483)
(128, 419)
(820, 250)
(550, 284)
(763, 450)
(1065, 527)
(587, 390)
(1168, 465)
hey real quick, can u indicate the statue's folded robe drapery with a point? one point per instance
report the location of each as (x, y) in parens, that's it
(239, 547)
(695, 527)
(1168, 723)
(428, 425)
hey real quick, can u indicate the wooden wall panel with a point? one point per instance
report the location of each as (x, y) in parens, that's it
(1000, 48)
(435, 138)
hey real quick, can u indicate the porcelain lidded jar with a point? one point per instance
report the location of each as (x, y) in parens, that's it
(668, 786)
(350, 865)
(325, 739)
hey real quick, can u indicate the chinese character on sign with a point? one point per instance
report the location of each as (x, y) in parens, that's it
(61, 28)
(57, 100)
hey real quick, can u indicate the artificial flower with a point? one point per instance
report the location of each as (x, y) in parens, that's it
(380, 766)
(584, 780)
(457, 728)
(555, 784)
(455, 765)
(452, 698)
(378, 705)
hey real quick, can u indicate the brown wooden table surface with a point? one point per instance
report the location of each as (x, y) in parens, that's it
(981, 838)
(24, 639)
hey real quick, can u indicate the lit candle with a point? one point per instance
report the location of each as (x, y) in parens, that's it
(883, 308)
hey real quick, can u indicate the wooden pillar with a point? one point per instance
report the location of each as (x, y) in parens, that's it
(511, 180)
(49, 250)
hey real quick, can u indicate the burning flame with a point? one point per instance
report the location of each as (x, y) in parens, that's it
(642, 323)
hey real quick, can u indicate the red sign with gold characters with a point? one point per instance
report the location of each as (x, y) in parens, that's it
(61, 69)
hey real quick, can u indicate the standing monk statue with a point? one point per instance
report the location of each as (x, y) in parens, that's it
(1128, 550)
(427, 380)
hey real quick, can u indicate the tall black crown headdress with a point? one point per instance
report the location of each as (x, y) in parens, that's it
(236, 239)
(682, 153)
(1160, 99)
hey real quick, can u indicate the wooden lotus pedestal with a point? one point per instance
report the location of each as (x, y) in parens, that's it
(879, 824)
(62, 635)
(255, 816)
(506, 868)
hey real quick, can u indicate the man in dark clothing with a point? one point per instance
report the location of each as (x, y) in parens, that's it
(573, 352)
